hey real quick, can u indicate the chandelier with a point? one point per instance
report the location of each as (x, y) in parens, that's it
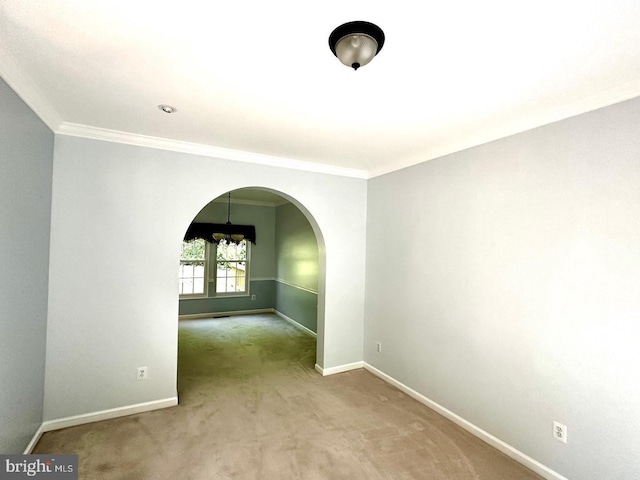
(218, 232)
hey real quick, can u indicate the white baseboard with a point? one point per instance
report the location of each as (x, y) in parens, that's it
(339, 369)
(196, 316)
(108, 414)
(505, 448)
(295, 324)
(34, 441)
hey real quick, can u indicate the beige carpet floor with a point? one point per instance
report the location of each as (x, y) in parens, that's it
(253, 407)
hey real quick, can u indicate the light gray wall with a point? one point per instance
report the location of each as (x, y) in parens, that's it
(297, 267)
(510, 290)
(26, 157)
(122, 296)
(262, 265)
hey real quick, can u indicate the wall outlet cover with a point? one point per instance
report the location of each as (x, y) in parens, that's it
(142, 373)
(560, 432)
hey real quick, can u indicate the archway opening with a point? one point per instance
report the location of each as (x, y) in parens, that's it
(282, 273)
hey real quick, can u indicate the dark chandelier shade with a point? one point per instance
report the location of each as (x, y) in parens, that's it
(216, 232)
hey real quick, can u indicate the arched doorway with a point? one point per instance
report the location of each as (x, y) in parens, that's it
(282, 273)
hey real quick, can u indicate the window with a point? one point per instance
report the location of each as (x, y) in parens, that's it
(193, 268)
(229, 261)
(231, 267)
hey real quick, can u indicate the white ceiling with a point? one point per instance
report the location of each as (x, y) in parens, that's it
(253, 196)
(256, 80)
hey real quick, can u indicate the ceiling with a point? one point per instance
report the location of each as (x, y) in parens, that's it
(256, 81)
(253, 196)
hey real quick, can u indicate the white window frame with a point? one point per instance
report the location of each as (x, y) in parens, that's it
(205, 294)
(214, 278)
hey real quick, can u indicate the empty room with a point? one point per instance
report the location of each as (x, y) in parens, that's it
(284, 240)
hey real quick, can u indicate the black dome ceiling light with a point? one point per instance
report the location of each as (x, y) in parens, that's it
(356, 43)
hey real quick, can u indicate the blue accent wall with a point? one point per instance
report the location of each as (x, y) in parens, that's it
(264, 290)
(297, 304)
(26, 162)
(296, 267)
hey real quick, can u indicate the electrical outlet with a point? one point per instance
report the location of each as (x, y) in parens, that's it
(253, 297)
(378, 347)
(142, 373)
(560, 432)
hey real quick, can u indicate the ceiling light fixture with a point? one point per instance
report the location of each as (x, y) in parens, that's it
(227, 231)
(356, 43)
(221, 232)
(167, 108)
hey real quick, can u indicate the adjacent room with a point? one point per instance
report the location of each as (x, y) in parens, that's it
(274, 269)
(447, 196)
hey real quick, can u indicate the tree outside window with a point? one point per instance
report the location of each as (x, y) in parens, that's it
(192, 273)
(231, 267)
(230, 264)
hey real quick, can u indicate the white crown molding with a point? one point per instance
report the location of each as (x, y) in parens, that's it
(95, 133)
(254, 203)
(26, 89)
(530, 121)
(31, 95)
